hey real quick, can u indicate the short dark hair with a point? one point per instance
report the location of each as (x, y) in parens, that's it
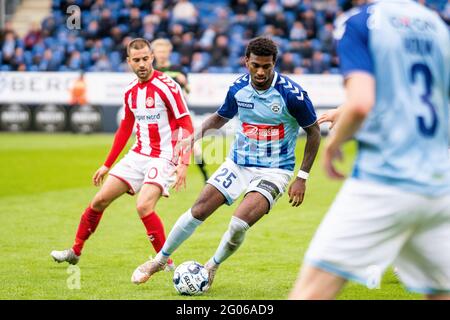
(262, 46)
(138, 43)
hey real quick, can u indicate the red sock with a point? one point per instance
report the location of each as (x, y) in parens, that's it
(155, 230)
(88, 223)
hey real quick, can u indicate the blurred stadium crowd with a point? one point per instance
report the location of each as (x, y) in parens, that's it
(208, 36)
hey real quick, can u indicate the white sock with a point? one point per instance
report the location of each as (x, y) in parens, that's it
(183, 229)
(231, 240)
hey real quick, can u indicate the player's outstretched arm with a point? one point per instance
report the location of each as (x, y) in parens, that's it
(360, 98)
(297, 189)
(121, 137)
(214, 122)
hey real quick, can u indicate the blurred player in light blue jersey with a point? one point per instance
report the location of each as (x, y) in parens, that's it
(270, 108)
(395, 208)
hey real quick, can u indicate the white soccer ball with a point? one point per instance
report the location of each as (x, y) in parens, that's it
(190, 278)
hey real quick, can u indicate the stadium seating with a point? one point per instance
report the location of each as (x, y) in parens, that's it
(108, 25)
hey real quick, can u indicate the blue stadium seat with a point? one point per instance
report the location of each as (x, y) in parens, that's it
(108, 43)
(55, 5)
(28, 57)
(115, 58)
(290, 18)
(206, 57)
(58, 56)
(86, 58)
(326, 57)
(49, 42)
(175, 58)
(335, 71)
(215, 69)
(297, 58)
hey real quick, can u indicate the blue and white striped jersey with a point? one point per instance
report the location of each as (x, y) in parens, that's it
(268, 121)
(406, 47)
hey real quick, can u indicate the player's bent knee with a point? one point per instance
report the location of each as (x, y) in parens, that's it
(100, 203)
(144, 208)
(199, 211)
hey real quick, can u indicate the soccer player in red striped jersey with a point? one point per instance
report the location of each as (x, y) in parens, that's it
(155, 104)
(162, 49)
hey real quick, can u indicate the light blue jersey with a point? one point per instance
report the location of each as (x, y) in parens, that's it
(268, 121)
(404, 140)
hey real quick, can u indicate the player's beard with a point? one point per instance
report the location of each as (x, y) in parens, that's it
(144, 74)
(263, 85)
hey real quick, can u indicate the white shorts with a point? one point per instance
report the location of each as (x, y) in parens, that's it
(371, 226)
(136, 170)
(232, 179)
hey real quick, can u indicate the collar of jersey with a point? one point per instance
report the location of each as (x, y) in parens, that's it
(143, 84)
(274, 81)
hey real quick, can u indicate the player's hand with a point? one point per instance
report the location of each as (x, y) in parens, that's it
(181, 171)
(329, 116)
(297, 192)
(99, 175)
(184, 145)
(332, 153)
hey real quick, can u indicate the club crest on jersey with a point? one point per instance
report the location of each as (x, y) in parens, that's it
(149, 102)
(276, 108)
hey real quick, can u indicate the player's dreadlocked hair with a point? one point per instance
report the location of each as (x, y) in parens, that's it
(262, 46)
(138, 43)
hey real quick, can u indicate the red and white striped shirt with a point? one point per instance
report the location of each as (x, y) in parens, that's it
(159, 110)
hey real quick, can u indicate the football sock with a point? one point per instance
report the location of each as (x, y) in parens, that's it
(155, 230)
(88, 223)
(183, 229)
(231, 239)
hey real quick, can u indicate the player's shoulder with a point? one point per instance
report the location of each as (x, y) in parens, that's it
(130, 85)
(241, 82)
(356, 17)
(163, 77)
(288, 88)
(164, 82)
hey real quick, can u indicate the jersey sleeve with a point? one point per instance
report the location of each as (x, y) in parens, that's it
(229, 108)
(352, 35)
(302, 109)
(185, 124)
(122, 135)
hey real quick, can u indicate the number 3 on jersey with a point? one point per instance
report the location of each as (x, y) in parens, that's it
(427, 131)
(225, 178)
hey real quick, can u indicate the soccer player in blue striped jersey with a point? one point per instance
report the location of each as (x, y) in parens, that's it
(271, 108)
(395, 208)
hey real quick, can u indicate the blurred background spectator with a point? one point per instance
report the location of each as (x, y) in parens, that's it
(78, 92)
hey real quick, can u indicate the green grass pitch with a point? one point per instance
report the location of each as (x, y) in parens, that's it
(45, 184)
